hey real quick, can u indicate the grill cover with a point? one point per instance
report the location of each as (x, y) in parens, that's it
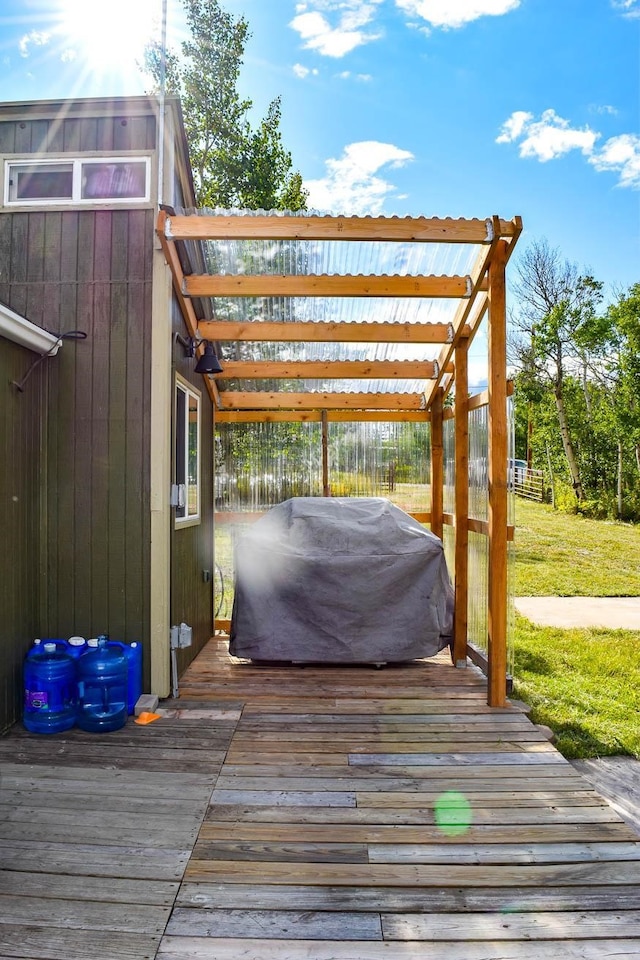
(340, 580)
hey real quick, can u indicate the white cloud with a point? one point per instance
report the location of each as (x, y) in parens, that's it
(621, 154)
(604, 108)
(358, 77)
(318, 34)
(628, 8)
(455, 13)
(37, 38)
(302, 71)
(551, 136)
(352, 184)
(513, 127)
(547, 138)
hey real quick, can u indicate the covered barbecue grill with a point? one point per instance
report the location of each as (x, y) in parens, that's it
(340, 580)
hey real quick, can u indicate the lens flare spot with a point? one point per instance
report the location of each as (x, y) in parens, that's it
(453, 813)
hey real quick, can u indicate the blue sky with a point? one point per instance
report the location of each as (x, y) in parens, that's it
(410, 107)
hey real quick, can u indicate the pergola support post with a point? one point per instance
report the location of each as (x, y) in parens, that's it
(326, 489)
(459, 654)
(497, 464)
(437, 464)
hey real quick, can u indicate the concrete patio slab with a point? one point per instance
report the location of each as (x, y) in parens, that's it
(566, 612)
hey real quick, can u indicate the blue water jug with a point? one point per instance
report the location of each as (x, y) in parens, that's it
(76, 646)
(49, 690)
(102, 688)
(133, 653)
(38, 646)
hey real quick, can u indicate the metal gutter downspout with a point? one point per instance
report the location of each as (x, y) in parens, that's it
(20, 330)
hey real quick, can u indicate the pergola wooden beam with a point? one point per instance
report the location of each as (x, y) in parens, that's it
(328, 369)
(324, 332)
(474, 308)
(186, 307)
(315, 416)
(401, 229)
(238, 400)
(325, 285)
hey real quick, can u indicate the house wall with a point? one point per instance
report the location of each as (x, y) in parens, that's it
(90, 270)
(81, 438)
(192, 546)
(22, 436)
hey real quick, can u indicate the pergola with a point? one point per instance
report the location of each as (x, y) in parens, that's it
(363, 319)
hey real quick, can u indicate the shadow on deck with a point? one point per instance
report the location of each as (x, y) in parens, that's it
(316, 813)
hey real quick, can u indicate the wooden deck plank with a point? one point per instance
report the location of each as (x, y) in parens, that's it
(93, 860)
(402, 875)
(290, 813)
(95, 834)
(39, 942)
(411, 777)
(483, 791)
(82, 915)
(395, 833)
(275, 924)
(201, 948)
(500, 899)
(400, 815)
(572, 925)
(117, 890)
(295, 851)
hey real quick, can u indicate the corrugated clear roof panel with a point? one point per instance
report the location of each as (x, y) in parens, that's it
(323, 386)
(338, 257)
(299, 257)
(335, 309)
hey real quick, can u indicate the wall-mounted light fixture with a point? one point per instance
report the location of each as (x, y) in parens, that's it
(208, 362)
(188, 344)
(70, 335)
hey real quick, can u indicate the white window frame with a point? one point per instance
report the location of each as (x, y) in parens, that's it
(77, 165)
(188, 491)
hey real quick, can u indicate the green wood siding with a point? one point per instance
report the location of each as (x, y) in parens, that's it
(91, 270)
(192, 546)
(75, 481)
(77, 134)
(22, 429)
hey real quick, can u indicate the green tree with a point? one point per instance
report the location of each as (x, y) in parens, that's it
(555, 314)
(623, 318)
(601, 397)
(234, 165)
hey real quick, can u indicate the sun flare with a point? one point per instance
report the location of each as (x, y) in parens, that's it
(107, 36)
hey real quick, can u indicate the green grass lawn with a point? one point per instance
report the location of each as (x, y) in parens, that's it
(563, 555)
(584, 684)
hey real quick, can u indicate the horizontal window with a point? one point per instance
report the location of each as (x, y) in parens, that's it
(88, 180)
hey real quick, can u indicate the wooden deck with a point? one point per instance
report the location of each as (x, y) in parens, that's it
(312, 813)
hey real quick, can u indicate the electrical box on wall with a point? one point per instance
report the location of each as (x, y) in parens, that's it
(181, 636)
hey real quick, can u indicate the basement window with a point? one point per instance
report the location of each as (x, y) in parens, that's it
(91, 180)
(187, 454)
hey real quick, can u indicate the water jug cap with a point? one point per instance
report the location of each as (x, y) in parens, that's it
(93, 642)
(133, 644)
(50, 647)
(76, 641)
(37, 641)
